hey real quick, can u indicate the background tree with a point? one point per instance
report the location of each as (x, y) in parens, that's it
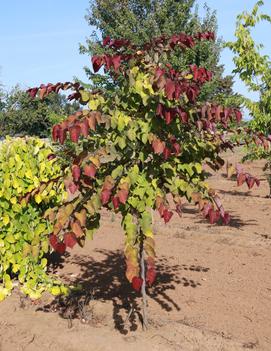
(141, 20)
(254, 70)
(1, 97)
(22, 115)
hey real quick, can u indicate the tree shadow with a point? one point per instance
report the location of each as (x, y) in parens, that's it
(239, 193)
(238, 223)
(235, 222)
(233, 178)
(56, 261)
(104, 280)
(190, 210)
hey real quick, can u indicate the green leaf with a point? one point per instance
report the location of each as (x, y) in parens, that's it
(117, 172)
(121, 142)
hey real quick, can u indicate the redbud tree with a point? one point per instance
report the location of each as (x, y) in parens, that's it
(139, 148)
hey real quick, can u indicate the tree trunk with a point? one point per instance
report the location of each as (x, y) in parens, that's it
(143, 287)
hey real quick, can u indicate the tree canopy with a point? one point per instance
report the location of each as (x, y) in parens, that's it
(139, 21)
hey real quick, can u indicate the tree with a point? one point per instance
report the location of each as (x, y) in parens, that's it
(22, 115)
(1, 97)
(139, 21)
(254, 70)
(131, 149)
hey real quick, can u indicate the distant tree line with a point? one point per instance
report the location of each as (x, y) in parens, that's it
(21, 115)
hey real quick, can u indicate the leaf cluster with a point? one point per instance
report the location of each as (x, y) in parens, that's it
(24, 233)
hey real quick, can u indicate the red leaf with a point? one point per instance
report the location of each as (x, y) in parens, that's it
(90, 170)
(118, 43)
(214, 216)
(226, 218)
(207, 207)
(161, 210)
(192, 93)
(75, 133)
(62, 135)
(238, 116)
(92, 122)
(108, 184)
(122, 195)
(70, 239)
(76, 172)
(160, 110)
(84, 127)
(77, 229)
(159, 72)
(116, 62)
(108, 61)
(177, 148)
(87, 181)
(106, 40)
(250, 181)
(150, 276)
(116, 202)
(32, 92)
(167, 215)
(51, 157)
(56, 132)
(73, 187)
(241, 178)
(178, 91)
(166, 153)
(195, 71)
(150, 262)
(60, 248)
(170, 89)
(42, 92)
(183, 116)
(168, 116)
(53, 241)
(158, 146)
(97, 62)
(137, 283)
(105, 196)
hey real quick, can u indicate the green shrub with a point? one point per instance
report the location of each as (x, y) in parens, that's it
(24, 233)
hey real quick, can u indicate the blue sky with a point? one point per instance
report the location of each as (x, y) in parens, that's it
(39, 40)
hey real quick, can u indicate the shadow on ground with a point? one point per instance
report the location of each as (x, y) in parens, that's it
(105, 281)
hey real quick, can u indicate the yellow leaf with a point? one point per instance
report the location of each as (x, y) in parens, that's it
(6, 219)
(42, 166)
(13, 200)
(29, 174)
(149, 233)
(55, 290)
(84, 95)
(189, 76)
(95, 161)
(3, 293)
(38, 198)
(93, 104)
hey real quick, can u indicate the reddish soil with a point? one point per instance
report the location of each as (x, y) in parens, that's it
(213, 290)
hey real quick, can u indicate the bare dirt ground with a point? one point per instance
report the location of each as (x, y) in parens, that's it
(213, 290)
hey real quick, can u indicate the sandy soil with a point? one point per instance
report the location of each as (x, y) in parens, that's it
(213, 290)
